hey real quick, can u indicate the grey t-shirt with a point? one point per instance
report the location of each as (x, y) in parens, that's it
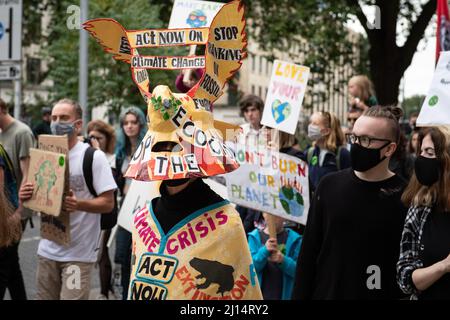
(17, 140)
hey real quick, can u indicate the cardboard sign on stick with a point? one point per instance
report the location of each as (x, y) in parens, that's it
(285, 96)
(271, 182)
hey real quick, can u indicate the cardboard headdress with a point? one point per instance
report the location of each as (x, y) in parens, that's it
(185, 120)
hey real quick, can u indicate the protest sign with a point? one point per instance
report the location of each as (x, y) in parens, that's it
(436, 107)
(139, 193)
(224, 53)
(53, 228)
(47, 172)
(285, 96)
(193, 13)
(271, 182)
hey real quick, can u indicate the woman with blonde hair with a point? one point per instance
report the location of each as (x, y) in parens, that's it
(423, 269)
(361, 93)
(328, 153)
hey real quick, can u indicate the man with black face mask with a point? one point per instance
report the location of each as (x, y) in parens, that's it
(351, 242)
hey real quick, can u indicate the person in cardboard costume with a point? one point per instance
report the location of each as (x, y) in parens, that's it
(189, 243)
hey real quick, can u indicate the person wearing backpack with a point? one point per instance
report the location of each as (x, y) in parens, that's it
(101, 136)
(60, 266)
(328, 153)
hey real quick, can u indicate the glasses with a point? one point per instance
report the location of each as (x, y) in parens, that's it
(364, 141)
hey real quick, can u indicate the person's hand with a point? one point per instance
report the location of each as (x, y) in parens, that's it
(271, 245)
(26, 191)
(446, 264)
(70, 202)
(276, 257)
(352, 101)
(95, 144)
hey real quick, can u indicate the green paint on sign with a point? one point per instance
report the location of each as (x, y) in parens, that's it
(61, 161)
(433, 101)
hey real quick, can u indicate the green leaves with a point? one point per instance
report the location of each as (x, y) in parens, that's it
(167, 107)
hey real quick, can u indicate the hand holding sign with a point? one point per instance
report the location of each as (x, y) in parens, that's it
(70, 202)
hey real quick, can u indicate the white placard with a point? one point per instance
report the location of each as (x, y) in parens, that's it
(285, 96)
(193, 13)
(436, 107)
(270, 182)
(10, 30)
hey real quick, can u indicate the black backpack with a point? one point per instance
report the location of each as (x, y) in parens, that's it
(108, 220)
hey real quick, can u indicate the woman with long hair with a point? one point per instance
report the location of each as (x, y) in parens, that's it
(328, 153)
(423, 269)
(102, 137)
(133, 127)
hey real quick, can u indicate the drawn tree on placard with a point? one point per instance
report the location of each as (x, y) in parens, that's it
(45, 180)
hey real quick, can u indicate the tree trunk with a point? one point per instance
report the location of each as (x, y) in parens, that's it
(385, 73)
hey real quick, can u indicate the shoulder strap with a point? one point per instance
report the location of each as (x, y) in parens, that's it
(338, 158)
(87, 169)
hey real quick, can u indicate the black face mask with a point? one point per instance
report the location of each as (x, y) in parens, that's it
(176, 182)
(364, 159)
(427, 170)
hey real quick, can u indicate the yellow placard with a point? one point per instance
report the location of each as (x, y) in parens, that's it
(225, 51)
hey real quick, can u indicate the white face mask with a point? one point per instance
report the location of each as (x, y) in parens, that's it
(314, 132)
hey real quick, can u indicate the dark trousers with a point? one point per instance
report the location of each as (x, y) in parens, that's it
(10, 273)
(123, 257)
(105, 266)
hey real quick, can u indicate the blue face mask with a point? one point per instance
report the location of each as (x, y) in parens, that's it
(62, 128)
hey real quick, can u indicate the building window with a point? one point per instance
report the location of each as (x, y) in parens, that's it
(253, 89)
(33, 70)
(253, 58)
(260, 92)
(260, 64)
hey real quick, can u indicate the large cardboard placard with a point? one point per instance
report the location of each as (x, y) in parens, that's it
(285, 96)
(57, 229)
(47, 172)
(436, 107)
(271, 182)
(193, 13)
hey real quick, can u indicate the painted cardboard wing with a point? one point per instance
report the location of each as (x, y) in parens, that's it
(184, 120)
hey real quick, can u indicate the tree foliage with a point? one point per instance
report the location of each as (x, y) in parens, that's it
(276, 25)
(110, 81)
